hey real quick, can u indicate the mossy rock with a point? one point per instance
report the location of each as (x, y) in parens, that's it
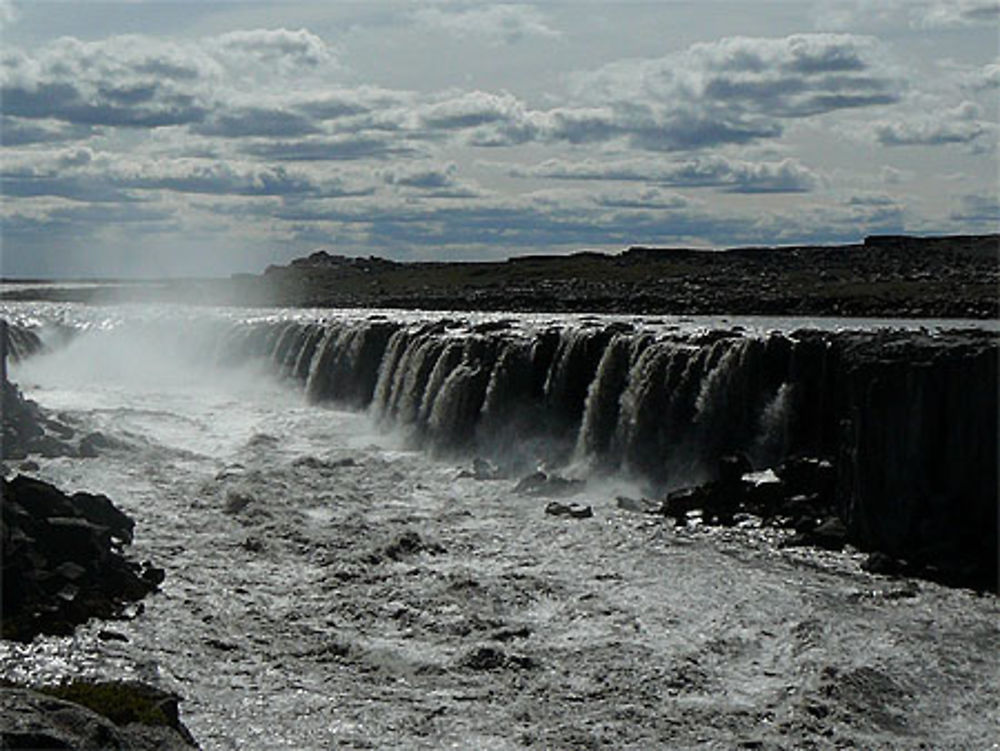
(121, 702)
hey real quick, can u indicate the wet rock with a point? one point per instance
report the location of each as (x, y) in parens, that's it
(21, 421)
(313, 462)
(571, 510)
(487, 657)
(542, 484)
(731, 469)
(62, 561)
(715, 502)
(59, 428)
(407, 544)
(94, 444)
(49, 446)
(236, 502)
(763, 493)
(106, 634)
(262, 440)
(510, 633)
(638, 505)
(881, 563)
(806, 475)
(84, 715)
(830, 534)
(482, 469)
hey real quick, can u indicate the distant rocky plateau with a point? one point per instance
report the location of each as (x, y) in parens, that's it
(902, 276)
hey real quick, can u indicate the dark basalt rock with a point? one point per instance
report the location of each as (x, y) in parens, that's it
(85, 716)
(409, 543)
(62, 560)
(571, 510)
(829, 534)
(28, 429)
(917, 453)
(22, 422)
(488, 657)
(543, 484)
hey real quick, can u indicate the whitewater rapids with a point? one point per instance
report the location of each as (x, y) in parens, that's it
(333, 582)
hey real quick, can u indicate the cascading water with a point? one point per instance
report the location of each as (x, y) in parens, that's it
(654, 403)
(328, 585)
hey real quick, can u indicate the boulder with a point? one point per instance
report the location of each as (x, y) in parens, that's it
(86, 716)
(572, 510)
(62, 560)
(542, 484)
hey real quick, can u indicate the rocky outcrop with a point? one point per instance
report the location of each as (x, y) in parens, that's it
(918, 452)
(63, 561)
(21, 420)
(28, 429)
(85, 716)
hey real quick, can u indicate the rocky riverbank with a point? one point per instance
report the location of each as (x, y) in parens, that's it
(92, 716)
(63, 564)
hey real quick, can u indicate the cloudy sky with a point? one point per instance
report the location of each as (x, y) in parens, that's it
(196, 138)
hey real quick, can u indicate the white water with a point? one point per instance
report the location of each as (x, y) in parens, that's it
(257, 604)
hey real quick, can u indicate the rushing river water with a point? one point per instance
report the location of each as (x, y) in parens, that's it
(332, 582)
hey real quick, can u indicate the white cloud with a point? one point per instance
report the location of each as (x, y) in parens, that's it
(741, 176)
(936, 127)
(143, 81)
(83, 174)
(643, 198)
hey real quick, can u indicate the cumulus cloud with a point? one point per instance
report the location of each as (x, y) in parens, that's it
(82, 174)
(140, 81)
(645, 198)
(958, 125)
(738, 176)
(255, 121)
(794, 76)
(494, 23)
(421, 175)
(289, 50)
(16, 131)
(345, 147)
(984, 78)
(734, 90)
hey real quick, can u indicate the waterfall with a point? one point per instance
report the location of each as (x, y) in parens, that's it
(908, 418)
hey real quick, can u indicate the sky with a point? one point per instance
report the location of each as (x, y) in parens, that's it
(207, 138)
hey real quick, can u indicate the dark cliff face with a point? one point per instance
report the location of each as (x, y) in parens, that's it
(918, 451)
